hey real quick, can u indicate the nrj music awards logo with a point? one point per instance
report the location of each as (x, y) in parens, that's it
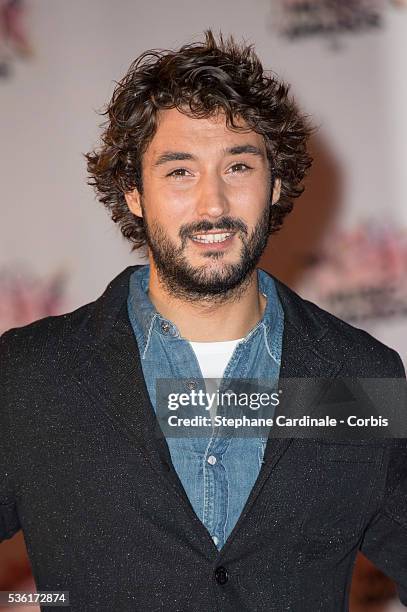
(299, 19)
(360, 274)
(304, 18)
(25, 298)
(14, 40)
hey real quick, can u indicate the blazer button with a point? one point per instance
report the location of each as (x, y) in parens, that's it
(221, 575)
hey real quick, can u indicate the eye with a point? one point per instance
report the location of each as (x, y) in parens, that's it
(178, 172)
(240, 168)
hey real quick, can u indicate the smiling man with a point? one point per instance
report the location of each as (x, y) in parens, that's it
(215, 186)
(202, 156)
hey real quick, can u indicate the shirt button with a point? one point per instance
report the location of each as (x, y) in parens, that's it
(212, 459)
(215, 540)
(165, 327)
(221, 575)
(191, 384)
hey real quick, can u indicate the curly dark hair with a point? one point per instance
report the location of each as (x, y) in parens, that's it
(199, 80)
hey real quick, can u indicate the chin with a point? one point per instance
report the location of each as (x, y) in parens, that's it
(211, 263)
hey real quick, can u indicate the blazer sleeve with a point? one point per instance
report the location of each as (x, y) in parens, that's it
(385, 539)
(9, 522)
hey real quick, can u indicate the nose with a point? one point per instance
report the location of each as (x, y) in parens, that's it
(212, 197)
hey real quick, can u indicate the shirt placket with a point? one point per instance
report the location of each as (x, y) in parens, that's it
(216, 486)
(186, 366)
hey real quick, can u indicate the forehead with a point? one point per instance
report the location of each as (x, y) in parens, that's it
(175, 129)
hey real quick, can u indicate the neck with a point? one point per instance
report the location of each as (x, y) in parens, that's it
(206, 321)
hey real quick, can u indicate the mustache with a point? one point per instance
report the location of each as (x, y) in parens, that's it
(227, 224)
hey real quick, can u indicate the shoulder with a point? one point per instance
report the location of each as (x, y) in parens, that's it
(365, 352)
(362, 353)
(45, 341)
(52, 338)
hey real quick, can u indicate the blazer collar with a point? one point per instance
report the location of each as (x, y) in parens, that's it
(300, 319)
(108, 361)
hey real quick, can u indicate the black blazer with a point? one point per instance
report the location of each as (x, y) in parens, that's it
(87, 477)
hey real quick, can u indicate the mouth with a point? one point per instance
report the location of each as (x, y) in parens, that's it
(213, 238)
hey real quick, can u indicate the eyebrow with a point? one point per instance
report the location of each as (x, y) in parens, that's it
(169, 156)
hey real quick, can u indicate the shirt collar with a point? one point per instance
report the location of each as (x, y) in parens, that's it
(144, 317)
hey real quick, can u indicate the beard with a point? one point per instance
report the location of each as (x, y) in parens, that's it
(202, 283)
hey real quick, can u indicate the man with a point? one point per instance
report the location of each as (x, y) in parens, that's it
(202, 156)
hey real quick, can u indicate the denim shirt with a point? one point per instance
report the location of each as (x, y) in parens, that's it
(218, 471)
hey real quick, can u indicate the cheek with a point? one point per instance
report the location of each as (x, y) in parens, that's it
(250, 202)
(165, 200)
(254, 190)
(165, 212)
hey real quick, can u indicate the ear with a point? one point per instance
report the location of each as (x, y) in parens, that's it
(276, 190)
(133, 200)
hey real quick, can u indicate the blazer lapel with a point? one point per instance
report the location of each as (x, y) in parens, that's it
(109, 372)
(303, 357)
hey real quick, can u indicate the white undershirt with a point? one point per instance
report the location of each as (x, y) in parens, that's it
(213, 357)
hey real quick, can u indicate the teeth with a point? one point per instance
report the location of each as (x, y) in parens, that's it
(209, 238)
